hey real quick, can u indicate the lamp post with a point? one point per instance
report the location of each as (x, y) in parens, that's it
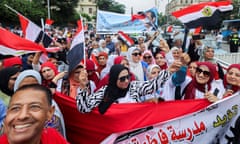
(48, 3)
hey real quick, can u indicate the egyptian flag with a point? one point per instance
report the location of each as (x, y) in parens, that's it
(48, 23)
(169, 29)
(33, 32)
(138, 16)
(125, 38)
(76, 52)
(205, 14)
(11, 44)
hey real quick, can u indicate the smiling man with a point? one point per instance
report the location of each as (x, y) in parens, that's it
(29, 109)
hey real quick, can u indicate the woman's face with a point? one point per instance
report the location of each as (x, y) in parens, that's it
(176, 54)
(233, 76)
(48, 73)
(192, 68)
(209, 54)
(125, 63)
(12, 80)
(123, 79)
(76, 73)
(147, 58)
(202, 74)
(154, 73)
(160, 60)
(136, 56)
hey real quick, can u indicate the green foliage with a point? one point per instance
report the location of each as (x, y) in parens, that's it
(86, 16)
(62, 12)
(111, 5)
(26, 8)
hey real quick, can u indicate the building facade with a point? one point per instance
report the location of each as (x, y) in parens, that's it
(87, 6)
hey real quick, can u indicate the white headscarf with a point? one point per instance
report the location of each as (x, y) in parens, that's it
(135, 68)
(27, 73)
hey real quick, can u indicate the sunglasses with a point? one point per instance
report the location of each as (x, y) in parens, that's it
(205, 73)
(123, 78)
(136, 54)
(147, 57)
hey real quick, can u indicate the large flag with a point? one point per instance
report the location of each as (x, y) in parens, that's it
(176, 122)
(205, 14)
(11, 44)
(77, 51)
(216, 124)
(33, 32)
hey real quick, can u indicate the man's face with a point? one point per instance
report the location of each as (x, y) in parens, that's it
(26, 116)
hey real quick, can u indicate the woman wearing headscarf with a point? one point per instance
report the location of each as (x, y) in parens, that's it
(160, 59)
(148, 57)
(119, 89)
(203, 84)
(48, 71)
(28, 77)
(69, 84)
(118, 60)
(208, 55)
(92, 74)
(152, 71)
(136, 65)
(231, 80)
(7, 80)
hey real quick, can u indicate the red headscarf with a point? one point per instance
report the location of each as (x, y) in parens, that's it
(233, 87)
(90, 66)
(191, 89)
(165, 65)
(53, 67)
(118, 59)
(9, 62)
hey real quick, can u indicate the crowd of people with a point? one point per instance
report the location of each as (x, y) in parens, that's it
(111, 72)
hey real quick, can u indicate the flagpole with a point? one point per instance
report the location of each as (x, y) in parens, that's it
(84, 51)
(186, 30)
(11, 9)
(15, 11)
(43, 29)
(48, 3)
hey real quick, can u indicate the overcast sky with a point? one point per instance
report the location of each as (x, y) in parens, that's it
(141, 5)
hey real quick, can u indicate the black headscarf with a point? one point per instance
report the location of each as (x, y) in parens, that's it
(113, 92)
(5, 75)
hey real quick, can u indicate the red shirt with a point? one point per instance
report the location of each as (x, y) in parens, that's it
(49, 136)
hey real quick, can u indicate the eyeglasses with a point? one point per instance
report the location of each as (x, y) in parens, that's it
(147, 57)
(205, 73)
(136, 54)
(123, 78)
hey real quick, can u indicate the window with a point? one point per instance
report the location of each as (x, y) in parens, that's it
(90, 10)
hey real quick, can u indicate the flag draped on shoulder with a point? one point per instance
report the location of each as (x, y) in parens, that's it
(33, 32)
(11, 44)
(205, 14)
(76, 52)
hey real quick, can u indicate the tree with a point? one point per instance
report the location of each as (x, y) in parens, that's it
(33, 11)
(62, 12)
(111, 5)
